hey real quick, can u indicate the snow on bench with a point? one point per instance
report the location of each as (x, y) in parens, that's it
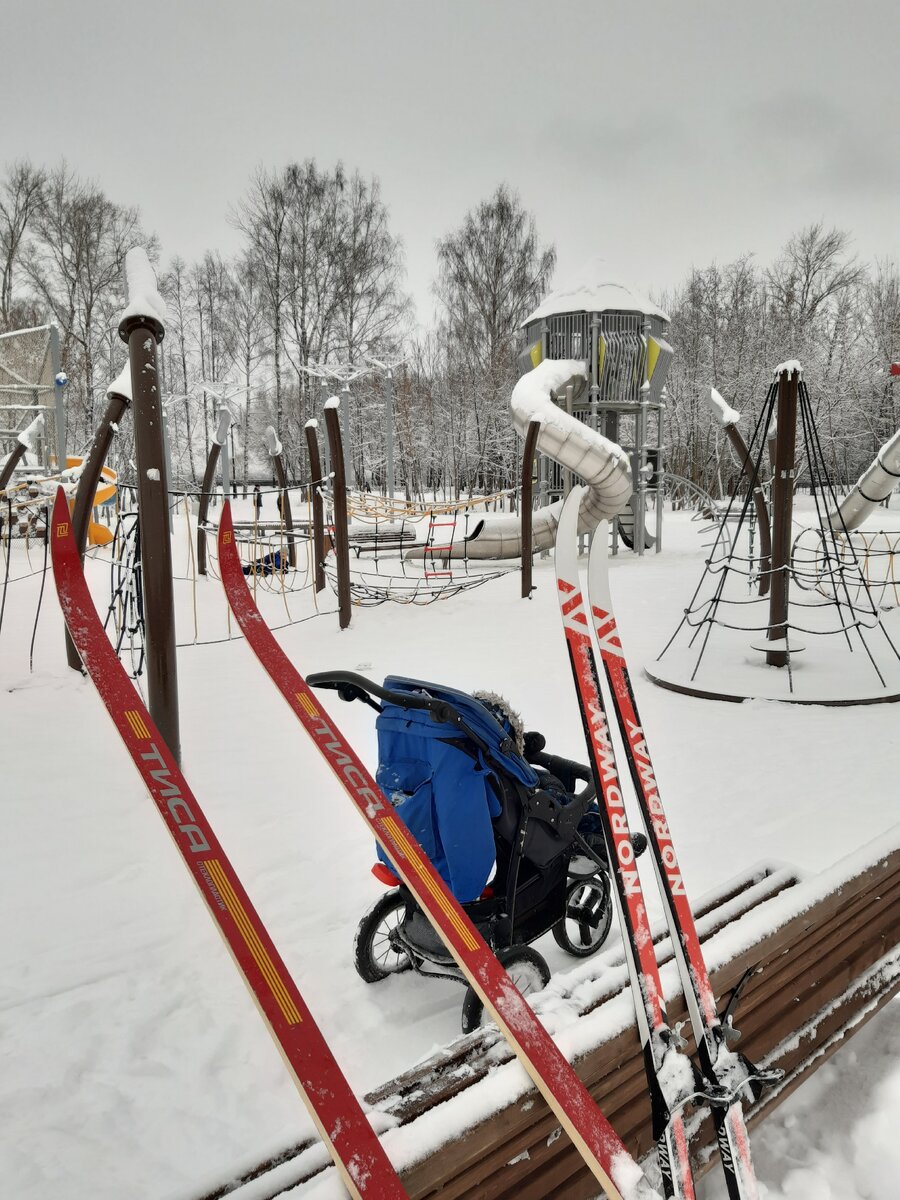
(826, 958)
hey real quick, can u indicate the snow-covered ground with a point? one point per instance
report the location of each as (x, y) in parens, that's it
(132, 1061)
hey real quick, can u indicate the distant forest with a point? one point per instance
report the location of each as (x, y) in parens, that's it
(320, 280)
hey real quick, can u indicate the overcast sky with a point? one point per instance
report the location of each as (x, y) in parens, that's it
(656, 135)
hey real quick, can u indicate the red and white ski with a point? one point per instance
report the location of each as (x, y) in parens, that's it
(729, 1072)
(357, 1152)
(594, 1137)
(670, 1074)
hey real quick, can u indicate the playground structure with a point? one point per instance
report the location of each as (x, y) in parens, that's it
(594, 369)
(572, 444)
(32, 408)
(746, 597)
(620, 335)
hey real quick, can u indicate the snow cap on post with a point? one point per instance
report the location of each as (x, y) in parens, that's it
(31, 432)
(225, 419)
(273, 444)
(144, 300)
(726, 414)
(790, 366)
(312, 423)
(121, 385)
(333, 402)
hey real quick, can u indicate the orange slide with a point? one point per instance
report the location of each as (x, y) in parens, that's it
(106, 493)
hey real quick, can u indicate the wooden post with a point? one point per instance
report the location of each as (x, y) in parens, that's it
(286, 514)
(759, 499)
(531, 436)
(318, 517)
(206, 490)
(87, 487)
(143, 330)
(6, 471)
(339, 486)
(782, 511)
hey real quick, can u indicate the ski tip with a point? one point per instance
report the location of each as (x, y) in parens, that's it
(600, 541)
(226, 525)
(60, 506)
(567, 529)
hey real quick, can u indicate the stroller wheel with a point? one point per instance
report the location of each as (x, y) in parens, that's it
(374, 952)
(585, 924)
(528, 971)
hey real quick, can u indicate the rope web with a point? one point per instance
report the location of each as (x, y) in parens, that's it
(382, 534)
(831, 567)
(125, 612)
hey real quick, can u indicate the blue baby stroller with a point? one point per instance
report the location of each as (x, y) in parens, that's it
(503, 823)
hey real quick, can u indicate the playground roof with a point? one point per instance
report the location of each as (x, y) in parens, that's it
(597, 297)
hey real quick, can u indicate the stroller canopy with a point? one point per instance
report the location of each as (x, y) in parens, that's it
(438, 779)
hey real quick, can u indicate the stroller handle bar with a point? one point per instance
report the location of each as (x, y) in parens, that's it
(350, 686)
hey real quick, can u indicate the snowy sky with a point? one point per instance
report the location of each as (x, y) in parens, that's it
(656, 135)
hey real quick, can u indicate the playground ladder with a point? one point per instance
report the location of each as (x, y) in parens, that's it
(444, 548)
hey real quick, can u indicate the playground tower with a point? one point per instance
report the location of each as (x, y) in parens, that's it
(621, 336)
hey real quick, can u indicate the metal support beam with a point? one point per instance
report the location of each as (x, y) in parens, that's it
(59, 398)
(389, 434)
(318, 515)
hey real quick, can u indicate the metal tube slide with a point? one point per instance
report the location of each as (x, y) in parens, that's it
(602, 465)
(874, 485)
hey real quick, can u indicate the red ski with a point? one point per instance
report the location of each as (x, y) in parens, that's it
(564, 1092)
(357, 1152)
(721, 1066)
(662, 1058)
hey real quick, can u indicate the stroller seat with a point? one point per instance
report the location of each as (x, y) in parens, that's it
(486, 808)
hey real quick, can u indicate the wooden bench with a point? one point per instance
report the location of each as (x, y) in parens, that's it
(367, 540)
(247, 529)
(827, 956)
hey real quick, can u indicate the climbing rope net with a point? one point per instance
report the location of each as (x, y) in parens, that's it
(831, 567)
(412, 552)
(877, 552)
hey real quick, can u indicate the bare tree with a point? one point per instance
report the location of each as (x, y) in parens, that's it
(74, 260)
(247, 321)
(20, 196)
(263, 217)
(177, 347)
(813, 269)
(492, 271)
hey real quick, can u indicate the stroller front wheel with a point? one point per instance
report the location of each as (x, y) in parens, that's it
(375, 954)
(587, 917)
(525, 967)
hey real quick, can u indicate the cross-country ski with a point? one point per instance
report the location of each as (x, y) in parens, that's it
(341, 1122)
